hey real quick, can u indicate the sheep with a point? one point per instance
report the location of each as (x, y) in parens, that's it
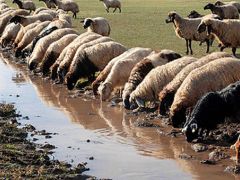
(98, 25)
(9, 34)
(187, 29)
(93, 59)
(104, 73)
(43, 44)
(225, 12)
(9, 9)
(29, 36)
(116, 4)
(212, 109)
(213, 76)
(48, 4)
(22, 31)
(226, 32)
(61, 57)
(167, 94)
(156, 79)
(62, 70)
(5, 19)
(63, 21)
(38, 10)
(67, 5)
(28, 5)
(234, 3)
(51, 12)
(24, 21)
(120, 72)
(54, 51)
(66, 61)
(142, 68)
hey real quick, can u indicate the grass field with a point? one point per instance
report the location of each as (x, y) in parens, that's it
(142, 22)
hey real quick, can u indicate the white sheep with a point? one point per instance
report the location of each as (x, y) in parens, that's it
(213, 76)
(67, 60)
(63, 21)
(54, 50)
(93, 59)
(156, 79)
(29, 36)
(116, 4)
(24, 21)
(67, 5)
(225, 31)
(5, 19)
(38, 10)
(227, 11)
(142, 68)
(9, 34)
(120, 73)
(48, 4)
(98, 25)
(44, 43)
(28, 5)
(6, 10)
(167, 94)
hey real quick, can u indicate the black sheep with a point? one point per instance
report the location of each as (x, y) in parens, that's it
(212, 109)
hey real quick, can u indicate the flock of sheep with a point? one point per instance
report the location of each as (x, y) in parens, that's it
(49, 44)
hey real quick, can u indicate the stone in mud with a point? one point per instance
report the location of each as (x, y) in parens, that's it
(29, 128)
(145, 123)
(48, 146)
(217, 155)
(91, 158)
(185, 156)
(199, 147)
(209, 162)
(233, 169)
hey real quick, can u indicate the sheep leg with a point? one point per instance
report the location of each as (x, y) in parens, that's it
(187, 46)
(234, 51)
(114, 10)
(208, 44)
(75, 15)
(107, 10)
(222, 48)
(120, 10)
(190, 46)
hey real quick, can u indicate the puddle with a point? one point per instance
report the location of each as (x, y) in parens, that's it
(120, 150)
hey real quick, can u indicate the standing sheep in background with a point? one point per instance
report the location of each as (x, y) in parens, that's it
(187, 29)
(156, 79)
(9, 34)
(28, 5)
(142, 68)
(212, 109)
(224, 12)
(226, 32)
(129, 54)
(120, 72)
(44, 43)
(234, 3)
(194, 14)
(93, 59)
(166, 96)
(54, 51)
(29, 36)
(67, 5)
(213, 76)
(116, 4)
(48, 4)
(98, 25)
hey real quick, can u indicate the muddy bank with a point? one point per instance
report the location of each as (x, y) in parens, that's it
(122, 145)
(21, 158)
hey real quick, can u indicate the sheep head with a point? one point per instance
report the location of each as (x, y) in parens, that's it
(16, 19)
(87, 22)
(209, 6)
(105, 90)
(169, 55)
(194, 14)
(178, 117)
(70, 80)
(209, 110)
(166, 99)
(171, 17)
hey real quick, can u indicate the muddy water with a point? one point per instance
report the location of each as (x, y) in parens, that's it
(120, 150)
